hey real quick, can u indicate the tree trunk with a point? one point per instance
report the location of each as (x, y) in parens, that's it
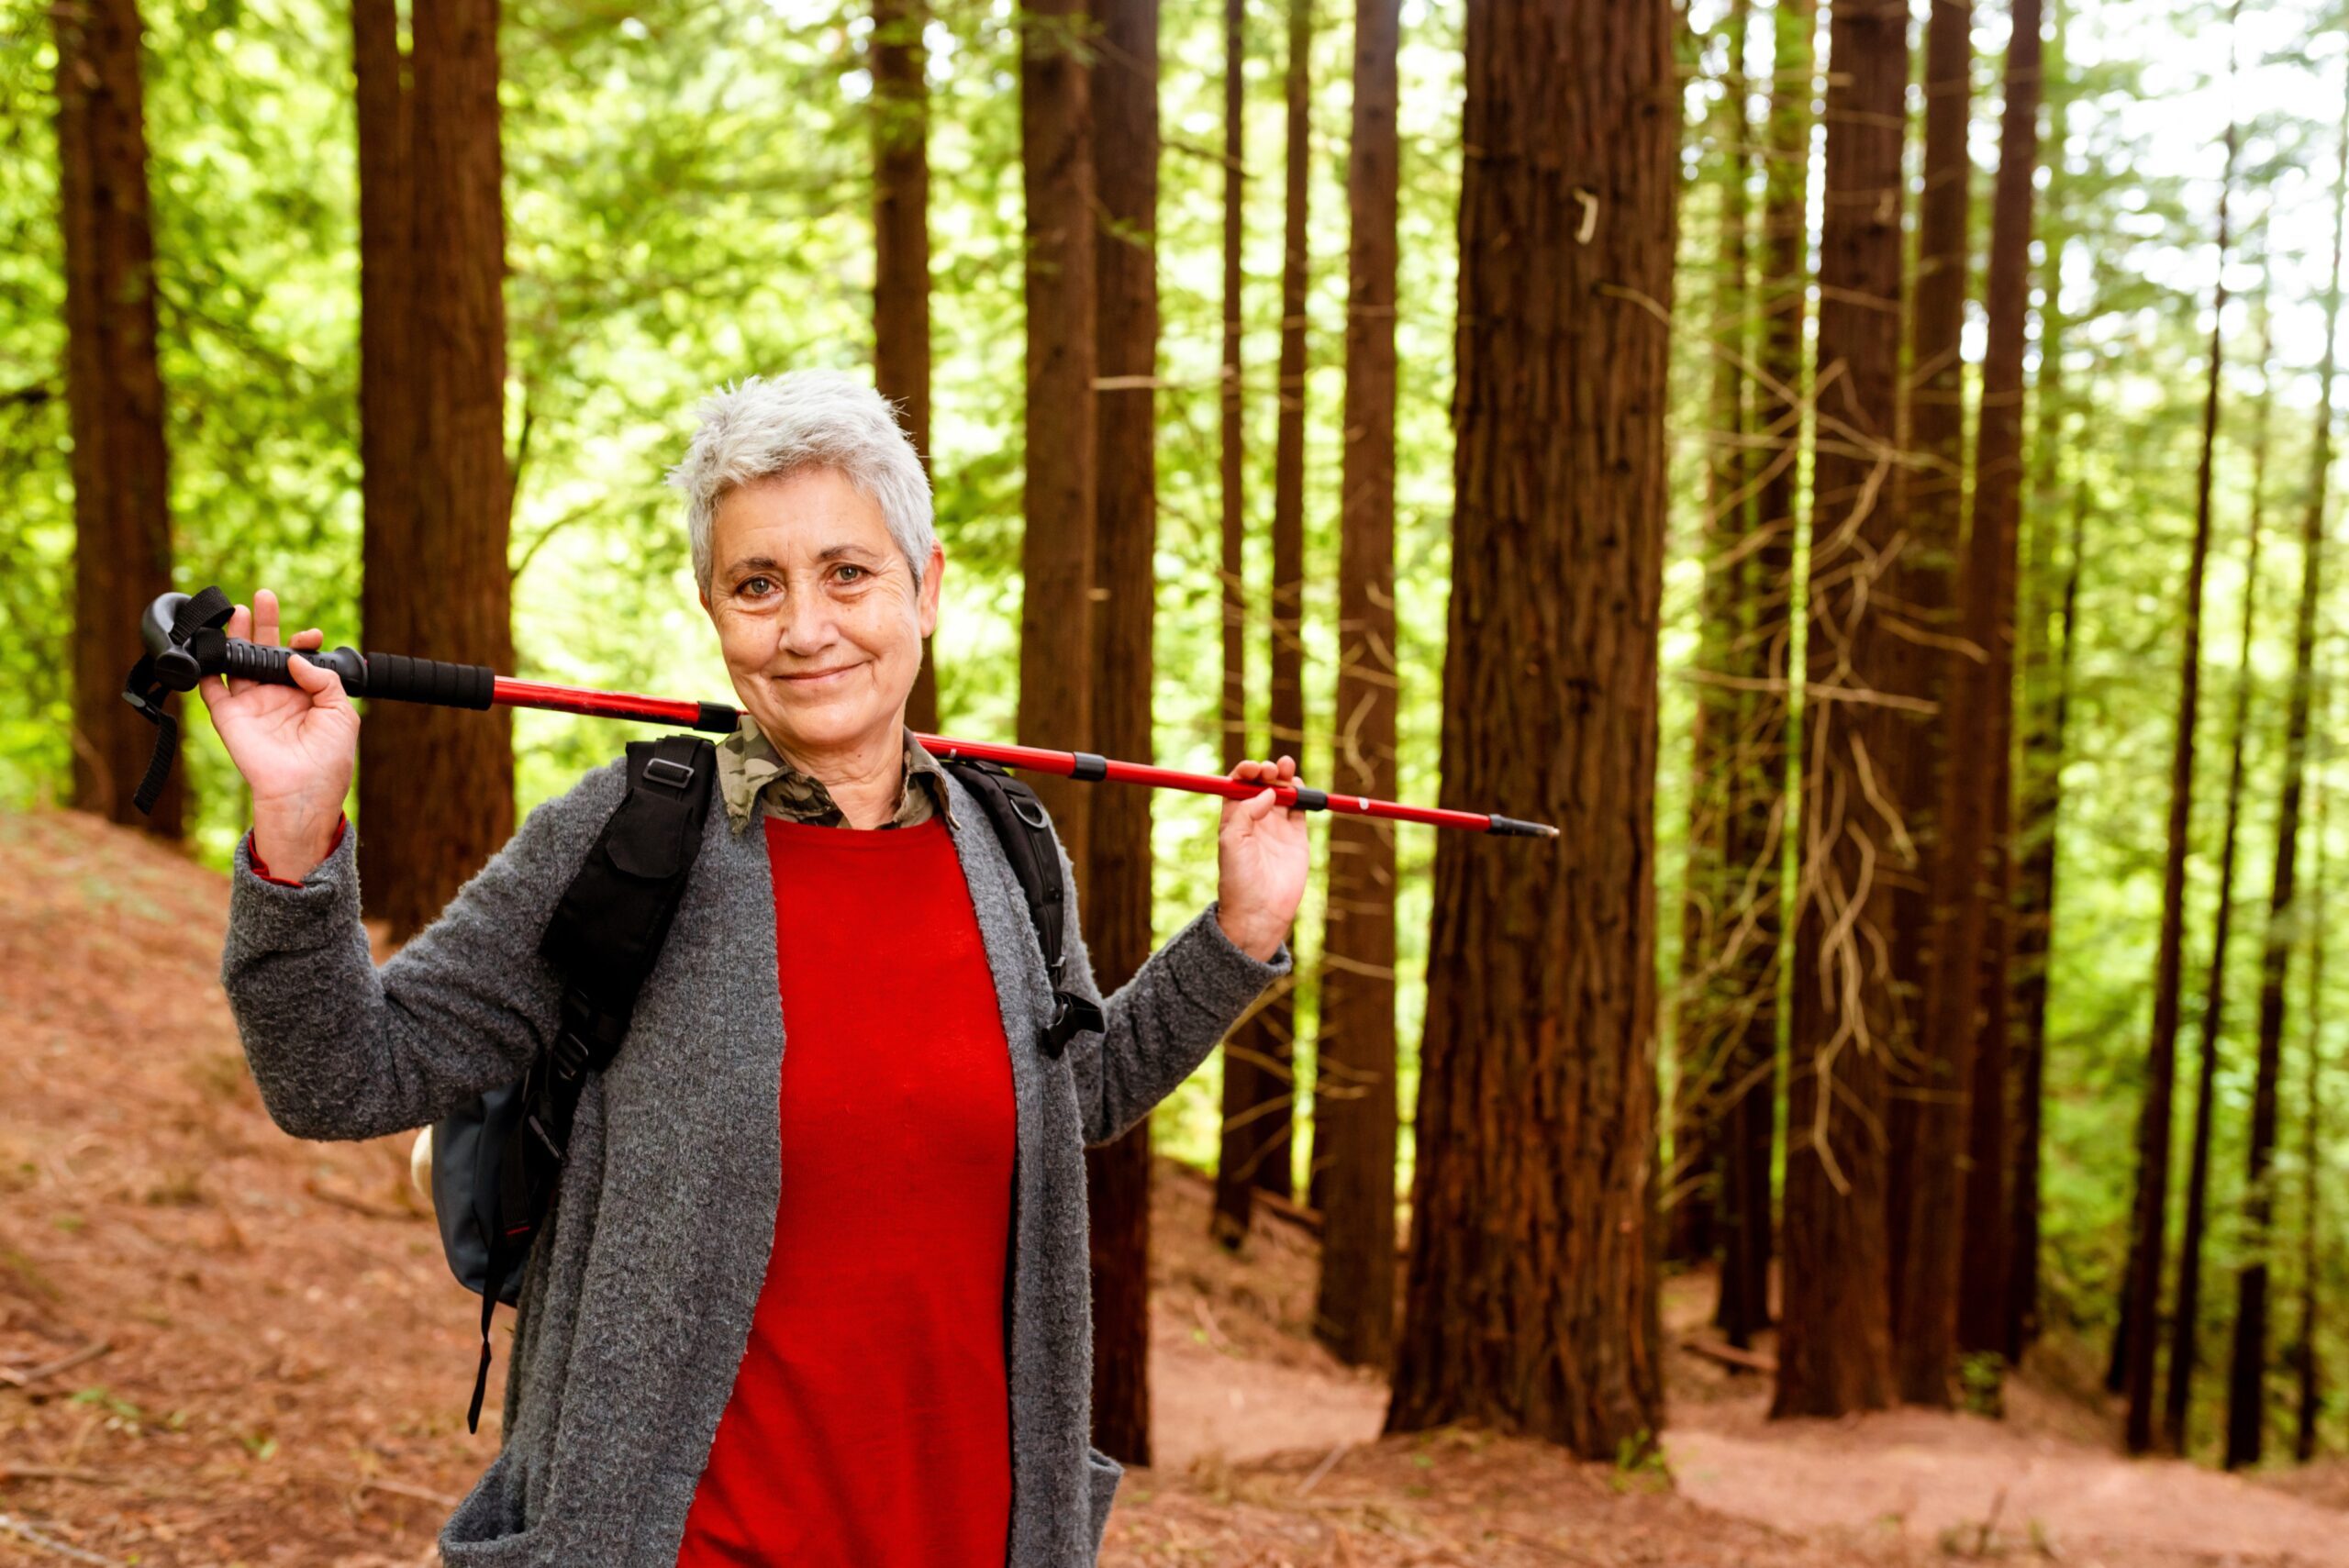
(122, 523)
(1761, 818)
(1927, 1092)
(1234, 1187)
(2046, 677)
(1056, 552)
(389, 564)
(1118, 884)
(901, 250)
(1354, 1087)
(1531, 1299)
(1835, 1343)
(2304, 1349)
(2185, 1353)
(457, 804)
(2247, 1373)
(1981, 1283)
(1713, 975)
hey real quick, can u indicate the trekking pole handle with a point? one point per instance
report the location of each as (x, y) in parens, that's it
(389, 675)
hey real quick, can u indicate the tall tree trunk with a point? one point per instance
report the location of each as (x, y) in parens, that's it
(2185, 1321)
(1354, 1086)
(1118, 882)
(1530, 1298)
(457, 807)
(1968, 868)
(388, 416)
(1057, 551)
(1981, 1282)
(114, 390)
(1928, 1089)
(1713, 935)
(2304, 1350)
(901, 249)
(2046, 672)
(1835, 1350)
(1760, 821)
(1234, 1185)
(2247, 1373)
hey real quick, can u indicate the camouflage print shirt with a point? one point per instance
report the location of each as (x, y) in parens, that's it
(751, 775)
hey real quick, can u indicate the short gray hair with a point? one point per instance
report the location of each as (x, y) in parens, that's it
(771, 427)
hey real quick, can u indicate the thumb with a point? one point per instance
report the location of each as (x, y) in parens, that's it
(316, 680)
(1257, 806)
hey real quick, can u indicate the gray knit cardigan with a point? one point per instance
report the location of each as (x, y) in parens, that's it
(638, 1301)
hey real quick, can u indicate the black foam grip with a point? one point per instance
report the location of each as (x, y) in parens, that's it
(402, 678)
(252, 662)
(717, 719)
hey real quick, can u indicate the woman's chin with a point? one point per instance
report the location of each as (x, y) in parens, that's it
(827, 727)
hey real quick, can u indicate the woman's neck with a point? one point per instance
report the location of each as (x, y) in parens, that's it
(864, 781)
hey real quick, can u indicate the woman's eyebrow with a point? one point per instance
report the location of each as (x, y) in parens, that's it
(842, 551)
(754, 563)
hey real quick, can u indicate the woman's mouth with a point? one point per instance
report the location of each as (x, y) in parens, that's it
(804, 680)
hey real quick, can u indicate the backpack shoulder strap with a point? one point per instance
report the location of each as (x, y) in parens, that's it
(1025, 831)
(603, 939)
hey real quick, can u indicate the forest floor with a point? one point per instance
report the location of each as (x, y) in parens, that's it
(220, 1346)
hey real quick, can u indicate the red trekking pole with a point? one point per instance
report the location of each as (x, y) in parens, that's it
(186, 644)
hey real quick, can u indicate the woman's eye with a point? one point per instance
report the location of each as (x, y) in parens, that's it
(847, 572)
(756, 587)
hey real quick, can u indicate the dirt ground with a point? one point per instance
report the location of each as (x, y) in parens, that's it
(219, 1346)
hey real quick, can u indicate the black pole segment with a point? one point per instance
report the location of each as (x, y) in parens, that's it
(1091, 767)
(717, 719)
(1511, 828)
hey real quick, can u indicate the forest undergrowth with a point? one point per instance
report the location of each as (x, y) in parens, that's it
(220, 1346)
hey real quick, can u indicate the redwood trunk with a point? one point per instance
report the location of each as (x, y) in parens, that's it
(901, 250)
(1118, 884)
(2185, 1353)
(1930, 1084)
(388, 390)
(122, 523)
(1056, 552)
(1834, 1339)
(2247, 1373)
(2304, 1350)
(1981, 1281)
(1354, 1086)
(1234, 1186)
(1532, 1300)
(456, 805)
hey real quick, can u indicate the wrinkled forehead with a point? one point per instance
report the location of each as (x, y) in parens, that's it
(808, 519)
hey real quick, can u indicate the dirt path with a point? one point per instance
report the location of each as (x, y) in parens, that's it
(273, 1360)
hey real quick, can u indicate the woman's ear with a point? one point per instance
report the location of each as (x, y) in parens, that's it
(932, 575)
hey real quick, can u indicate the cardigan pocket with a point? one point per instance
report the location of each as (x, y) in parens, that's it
(1102, 1475)
(487, 1530)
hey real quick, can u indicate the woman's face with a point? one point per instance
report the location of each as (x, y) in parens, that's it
(817, 612)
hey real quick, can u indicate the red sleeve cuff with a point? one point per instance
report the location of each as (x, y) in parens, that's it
(261, 869)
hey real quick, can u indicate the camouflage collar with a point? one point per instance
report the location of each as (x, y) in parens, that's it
(751, 774)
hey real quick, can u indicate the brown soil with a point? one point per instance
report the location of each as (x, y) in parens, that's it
(285, 1358)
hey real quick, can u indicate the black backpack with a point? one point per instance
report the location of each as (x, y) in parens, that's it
(496, 1162)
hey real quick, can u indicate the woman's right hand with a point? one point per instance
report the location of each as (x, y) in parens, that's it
(294, 745)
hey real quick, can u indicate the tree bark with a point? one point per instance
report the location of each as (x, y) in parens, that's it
(2304, 1350)
(901, 251)
(1530, 1298)
(1834, 1347)
(1928, 1091)
(389, 414)
(113, 391)
(1981, 1280)
(1118, 884)
(1714, 972)
(1057, 551)
(1354, 1086)
(456, 806)
(2185, 1320)
(2247, 1373)
(1235, 1189)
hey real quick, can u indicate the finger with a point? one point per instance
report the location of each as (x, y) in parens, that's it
(323, 685)
(240, 626)
(312, 637)
(1286, 773)
(265, 617)
(1258, 807)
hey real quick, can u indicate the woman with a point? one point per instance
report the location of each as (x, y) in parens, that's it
(821, 1306)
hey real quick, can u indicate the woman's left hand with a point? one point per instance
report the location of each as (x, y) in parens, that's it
(1260, 863)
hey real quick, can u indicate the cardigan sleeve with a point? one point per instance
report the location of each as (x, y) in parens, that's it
(343, 1050)
(1163, 1022)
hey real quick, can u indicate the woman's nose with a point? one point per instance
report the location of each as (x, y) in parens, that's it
(808, 624)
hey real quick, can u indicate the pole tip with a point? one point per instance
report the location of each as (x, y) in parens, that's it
(1511, 828)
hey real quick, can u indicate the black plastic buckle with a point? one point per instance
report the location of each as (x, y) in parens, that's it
(669, 775)
(1072, 1016)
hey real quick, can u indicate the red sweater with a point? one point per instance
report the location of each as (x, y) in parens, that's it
(870, 1422)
